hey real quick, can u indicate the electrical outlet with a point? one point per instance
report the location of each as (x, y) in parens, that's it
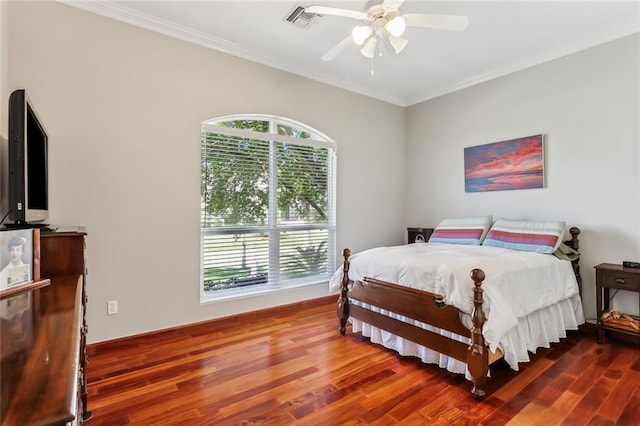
(112, 307)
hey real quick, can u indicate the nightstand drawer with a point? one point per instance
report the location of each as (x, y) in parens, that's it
(620, 280)
(611, 276)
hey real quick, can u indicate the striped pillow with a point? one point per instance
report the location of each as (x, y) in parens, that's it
(469, 230)
(526, 235)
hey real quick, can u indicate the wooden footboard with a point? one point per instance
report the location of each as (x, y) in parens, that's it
(425, 307)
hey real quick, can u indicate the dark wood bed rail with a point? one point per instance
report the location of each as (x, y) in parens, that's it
(343, 300)
(429, 308)
(478, 352)
(574, 243)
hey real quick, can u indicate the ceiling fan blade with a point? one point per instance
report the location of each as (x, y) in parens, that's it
(338, 49)
(391, 5)
(441, 22)
(326, 10)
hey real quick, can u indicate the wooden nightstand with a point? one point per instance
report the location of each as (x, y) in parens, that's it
(418, 235)
(610, 276)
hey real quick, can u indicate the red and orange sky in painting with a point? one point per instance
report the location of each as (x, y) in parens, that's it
(512, 164)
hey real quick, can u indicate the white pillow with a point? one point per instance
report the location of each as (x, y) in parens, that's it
(468, 230)
(526, 235)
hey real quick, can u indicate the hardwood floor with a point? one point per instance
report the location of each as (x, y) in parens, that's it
(295, 368)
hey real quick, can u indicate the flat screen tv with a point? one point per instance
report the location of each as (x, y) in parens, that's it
(27, 163)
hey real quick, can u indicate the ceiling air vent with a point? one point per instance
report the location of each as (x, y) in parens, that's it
(300, 18)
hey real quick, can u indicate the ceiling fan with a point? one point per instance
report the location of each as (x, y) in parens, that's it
(382, 20)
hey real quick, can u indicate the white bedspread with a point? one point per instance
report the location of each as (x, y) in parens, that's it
(516, 284)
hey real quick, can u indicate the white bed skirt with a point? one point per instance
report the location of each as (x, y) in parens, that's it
(538, 329)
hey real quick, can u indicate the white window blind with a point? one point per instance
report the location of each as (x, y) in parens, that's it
(268, 213)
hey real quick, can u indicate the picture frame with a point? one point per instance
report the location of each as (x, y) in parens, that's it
(505, 165)
(17, 251)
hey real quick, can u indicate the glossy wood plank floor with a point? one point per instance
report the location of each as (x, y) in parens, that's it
(294, 368)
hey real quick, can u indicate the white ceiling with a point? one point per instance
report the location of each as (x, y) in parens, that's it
(502, 37)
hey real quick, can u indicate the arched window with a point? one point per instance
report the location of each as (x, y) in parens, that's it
(267, 205)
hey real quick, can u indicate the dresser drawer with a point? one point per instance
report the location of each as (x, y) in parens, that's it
(620, 280)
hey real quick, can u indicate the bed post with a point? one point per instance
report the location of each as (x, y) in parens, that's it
(574, 243)
(478, 352)
(343, 300)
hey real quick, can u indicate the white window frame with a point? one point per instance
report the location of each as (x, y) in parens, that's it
(316, 139)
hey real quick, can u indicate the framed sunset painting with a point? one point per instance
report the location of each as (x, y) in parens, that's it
(499, 166)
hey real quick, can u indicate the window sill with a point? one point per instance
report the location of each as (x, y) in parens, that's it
(245, 293)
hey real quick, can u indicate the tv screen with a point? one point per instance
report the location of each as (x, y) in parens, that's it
(28, 168)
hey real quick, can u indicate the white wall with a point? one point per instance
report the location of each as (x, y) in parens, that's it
(4, 43)
(123, 108)
(587, 105)
(4, 94)
(124, 105)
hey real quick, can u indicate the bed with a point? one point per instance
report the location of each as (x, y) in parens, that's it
(477, 292)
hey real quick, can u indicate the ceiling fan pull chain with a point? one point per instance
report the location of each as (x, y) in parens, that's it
(372, 73)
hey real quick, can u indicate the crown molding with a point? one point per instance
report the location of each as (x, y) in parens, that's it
(627, 29)
(130, 16)
(127, 15)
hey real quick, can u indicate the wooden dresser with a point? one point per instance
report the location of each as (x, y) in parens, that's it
(43, 349)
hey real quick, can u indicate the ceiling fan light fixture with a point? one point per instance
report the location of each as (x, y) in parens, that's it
(369, 48)
(360, 34)
(384, 21)
(398, 43)
(396, 26)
